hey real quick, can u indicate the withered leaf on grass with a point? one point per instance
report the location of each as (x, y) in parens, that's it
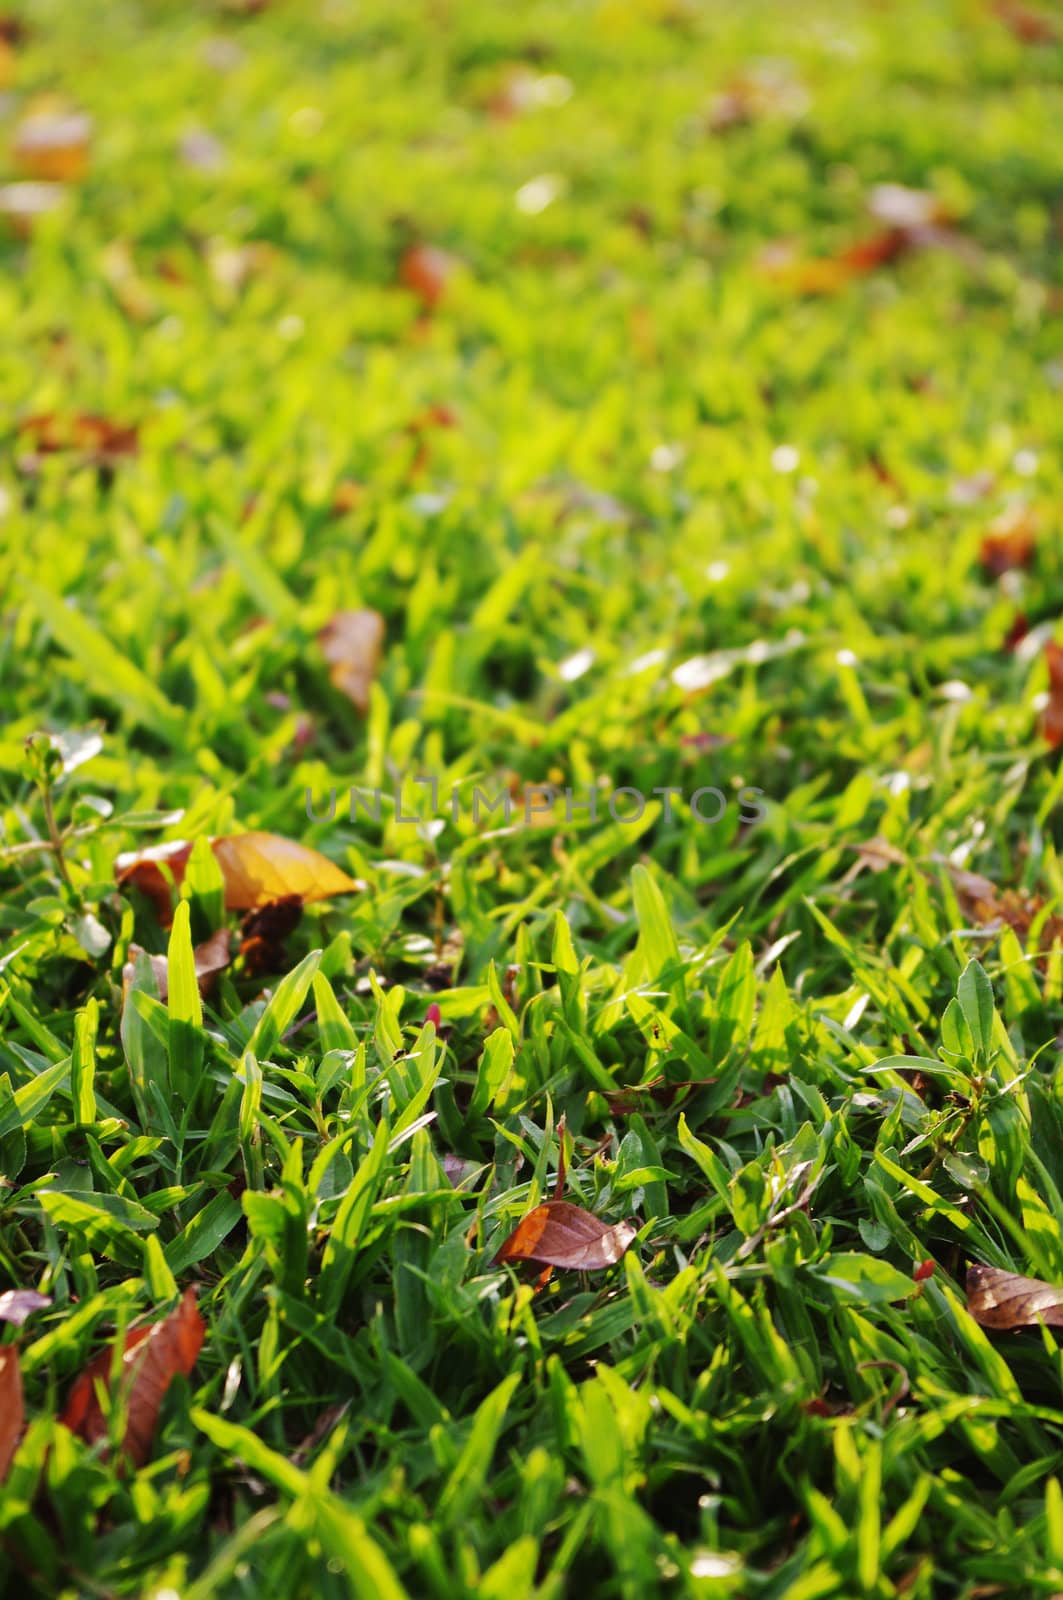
(18, 1304)
(999, 1299)
(95, 436)
(1029, 27)
(351, 643)
(12, 1417)
(52, 143)
(210, 957)
(909, 219)
(559, 1234)
(264, 931)
(426, 270)
(765, 89)
(1010, 542)
(153, 1356)
(258, 868)
(989, 906)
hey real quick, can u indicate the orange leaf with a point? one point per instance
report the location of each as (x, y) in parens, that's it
(257, 868)
(351, 643)
(12, 1418)
(999, 1299)
(559, 1234)
(261, 867)
(52, 144)
(151, 1359)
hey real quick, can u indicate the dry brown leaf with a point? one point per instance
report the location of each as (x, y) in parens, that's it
(987, 906)
(351, 643)
(559, 1234)
(764, 90)
(97, 437)
(12, 1417)
(1029, 27)
(909, 219)
(264, 931)
(426, 270)
(258, 868)
(1010, 542)
(52, 143)
(153, 1356)
(999, 1299)
(211, 957)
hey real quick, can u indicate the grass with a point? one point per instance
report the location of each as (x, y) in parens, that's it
(687, 527)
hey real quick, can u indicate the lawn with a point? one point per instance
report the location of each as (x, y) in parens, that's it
(434, 1172)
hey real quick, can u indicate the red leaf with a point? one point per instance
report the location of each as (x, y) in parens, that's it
(1020, 627)
(152, 1358)
(559, 1234)
(1052, 715)
(999, 1299)
(12, 1417)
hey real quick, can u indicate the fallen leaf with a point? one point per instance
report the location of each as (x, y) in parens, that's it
(12, 1417)
(97, 437)
(264, 931)
(1010, 542)
(52, 143)
(347, 496)
(210, 957)
(999, 1299)
(763, 90)
(153, 1356)
(987, 906)
(1029, 27)
(143, 870)
(23, 202)
(1052, 715)
(426, 270)
(351, 643)
(910, 219)
(258, 868)
(432, 417)
(559, 1234)
(18, 1304)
